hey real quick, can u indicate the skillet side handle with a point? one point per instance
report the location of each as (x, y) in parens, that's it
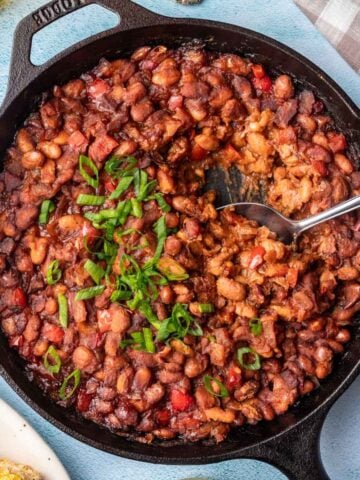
(296, 453)
(22, 71)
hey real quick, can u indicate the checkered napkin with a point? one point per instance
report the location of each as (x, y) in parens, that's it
(339, 21)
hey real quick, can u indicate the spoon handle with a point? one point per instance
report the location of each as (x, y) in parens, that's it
(340, 209)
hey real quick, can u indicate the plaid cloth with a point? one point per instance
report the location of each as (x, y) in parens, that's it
(339, 21)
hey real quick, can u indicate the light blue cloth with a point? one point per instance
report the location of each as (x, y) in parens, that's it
(340, 441)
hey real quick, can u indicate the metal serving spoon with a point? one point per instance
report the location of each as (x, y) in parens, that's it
(288, 230)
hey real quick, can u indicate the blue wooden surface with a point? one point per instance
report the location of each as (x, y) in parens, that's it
(280, 19)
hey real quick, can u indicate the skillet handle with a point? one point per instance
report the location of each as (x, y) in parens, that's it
(22, 71)
(297, 452)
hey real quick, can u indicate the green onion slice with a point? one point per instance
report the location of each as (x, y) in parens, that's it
(118, 167)
(136, 208)
(206, 307)
(63, 310)
(171, 269)
(94, 270)
(208, 383)
(148, 340)
(180, 324)
(91, 292)
(255, 326)
(123, 185)
(53, 273)
(141, 185)
(65, 393)
(46, 208)
(255, 364)
(140, 341)
(91, 200)
(52, 361)
(86, 164)
(146, 310)
(159, 197)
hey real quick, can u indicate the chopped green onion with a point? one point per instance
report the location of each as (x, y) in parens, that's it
(112, 166)
(178, 325)
(159, 197)
(136, 208)
(171, 269)
(161, 233)
(53, 273)
(206, 307)
(86, 162)
(74, 377)
(46, 208)
(92, 200)
(148, 340)
(140, 341)
(255, 326)
(123, 185)
(120, 295)
(124, 212)
(256, 363)
(94, 270)
(63, 310)
(145, 309)
(208, 381)
(52, 361)
(90, 292)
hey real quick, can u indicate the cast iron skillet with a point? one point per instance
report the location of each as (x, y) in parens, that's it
(290, 442)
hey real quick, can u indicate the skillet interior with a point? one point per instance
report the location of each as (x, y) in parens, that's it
(220, 38)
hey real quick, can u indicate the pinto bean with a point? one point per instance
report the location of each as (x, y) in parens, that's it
(217, 414)
(343, 163)
(230, 289)
(195, 366)
(166, 294)
(283, 87)
(84, 359)
(166, 77)
(32, 159)
(142, 379)
(24, 141)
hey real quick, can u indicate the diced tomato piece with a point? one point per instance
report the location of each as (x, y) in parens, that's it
(264, 84)
(77, 140)
(110, 187)
(102, 147)
(320, 167)
(104, 321)
(98, 87)
(53, 333)
(258, 71)
(163, 417)
(233, 377)
(229, 155)
(337, 142)
(16, 341)
(198, 153)
(19, 298)
(83, 401)
(292, 277)
(256, 257)
(180, 401)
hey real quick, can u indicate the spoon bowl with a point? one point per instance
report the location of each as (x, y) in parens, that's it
(288, 230)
